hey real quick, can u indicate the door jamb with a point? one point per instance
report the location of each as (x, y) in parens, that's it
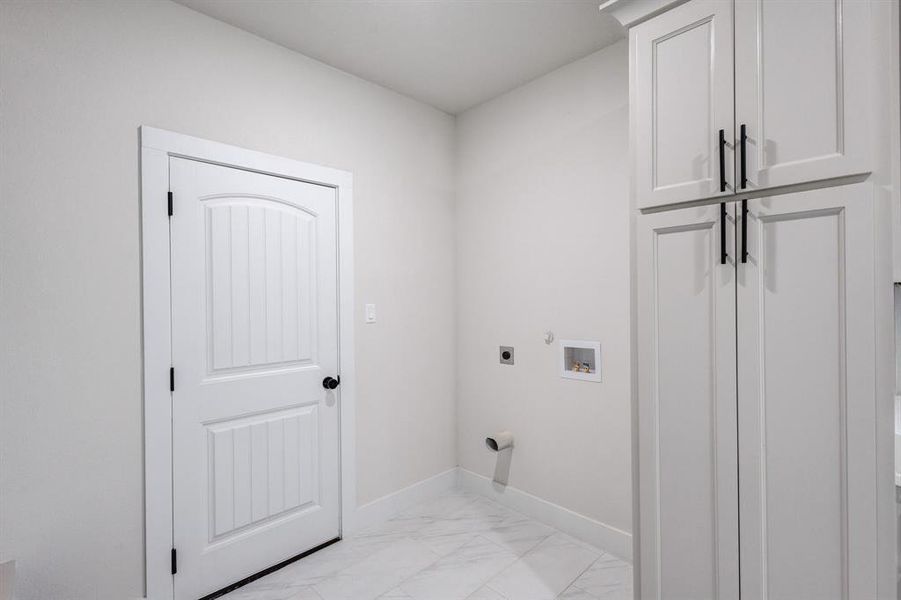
(157, 147)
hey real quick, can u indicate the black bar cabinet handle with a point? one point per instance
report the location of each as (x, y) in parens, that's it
(723, 254)
(722, 160)
(744, 231)
(744, 166)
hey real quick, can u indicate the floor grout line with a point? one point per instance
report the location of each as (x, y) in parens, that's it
(573, 582)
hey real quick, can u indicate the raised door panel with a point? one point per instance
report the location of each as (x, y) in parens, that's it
(800, 90)
(682, 99)
(261, 287)
(262, 468)
(687, 413)
(807, 396)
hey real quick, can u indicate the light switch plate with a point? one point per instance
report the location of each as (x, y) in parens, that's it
(370, 313)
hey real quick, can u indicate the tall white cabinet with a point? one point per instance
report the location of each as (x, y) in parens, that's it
(735, 97)
(763, 307)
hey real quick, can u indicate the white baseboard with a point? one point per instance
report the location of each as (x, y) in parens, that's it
(381, 509)
(600, 535)
(596, 533)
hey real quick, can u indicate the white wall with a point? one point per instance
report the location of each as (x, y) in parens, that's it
(77, 80)
(543, 243)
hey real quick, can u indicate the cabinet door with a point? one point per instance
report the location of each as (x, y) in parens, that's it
(807, 397)
(682, 100)
(688, 497)
(800, 90)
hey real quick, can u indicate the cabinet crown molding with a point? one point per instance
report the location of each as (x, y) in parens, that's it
(632, 12)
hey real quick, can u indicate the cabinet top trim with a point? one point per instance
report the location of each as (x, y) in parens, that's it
(633, 12)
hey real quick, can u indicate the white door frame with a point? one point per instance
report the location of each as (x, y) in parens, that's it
(157, 147)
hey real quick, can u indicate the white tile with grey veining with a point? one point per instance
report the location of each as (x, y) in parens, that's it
(378, 573)
(486, 593)
(574, 593)
(440, 507)
(399, 526)
(477, 517)
(325, 563)
(482, 507)
(459, 574)
(519, 534)
(546, 570)
(395, 594)
(609, 578)
(447, 535)
(454, 547)
(280, 593)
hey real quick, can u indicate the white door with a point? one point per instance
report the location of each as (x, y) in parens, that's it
(807, 397)
(683, 104)
(801, 90)
(254, 333)
(687, 406)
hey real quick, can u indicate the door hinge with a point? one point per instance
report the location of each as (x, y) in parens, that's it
(169, 198)
(171, 379)
(174, 562)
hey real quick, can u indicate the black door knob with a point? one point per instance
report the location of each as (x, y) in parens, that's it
(331, 383)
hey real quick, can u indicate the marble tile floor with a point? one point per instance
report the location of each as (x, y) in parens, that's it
(458, 546)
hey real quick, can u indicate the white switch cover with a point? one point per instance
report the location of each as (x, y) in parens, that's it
(370, 313)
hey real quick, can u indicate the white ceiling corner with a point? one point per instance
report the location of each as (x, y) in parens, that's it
(451, 54)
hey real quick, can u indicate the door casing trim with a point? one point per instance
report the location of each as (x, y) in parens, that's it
(157, 147)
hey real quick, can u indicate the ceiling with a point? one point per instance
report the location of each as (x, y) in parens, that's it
(452, 54)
